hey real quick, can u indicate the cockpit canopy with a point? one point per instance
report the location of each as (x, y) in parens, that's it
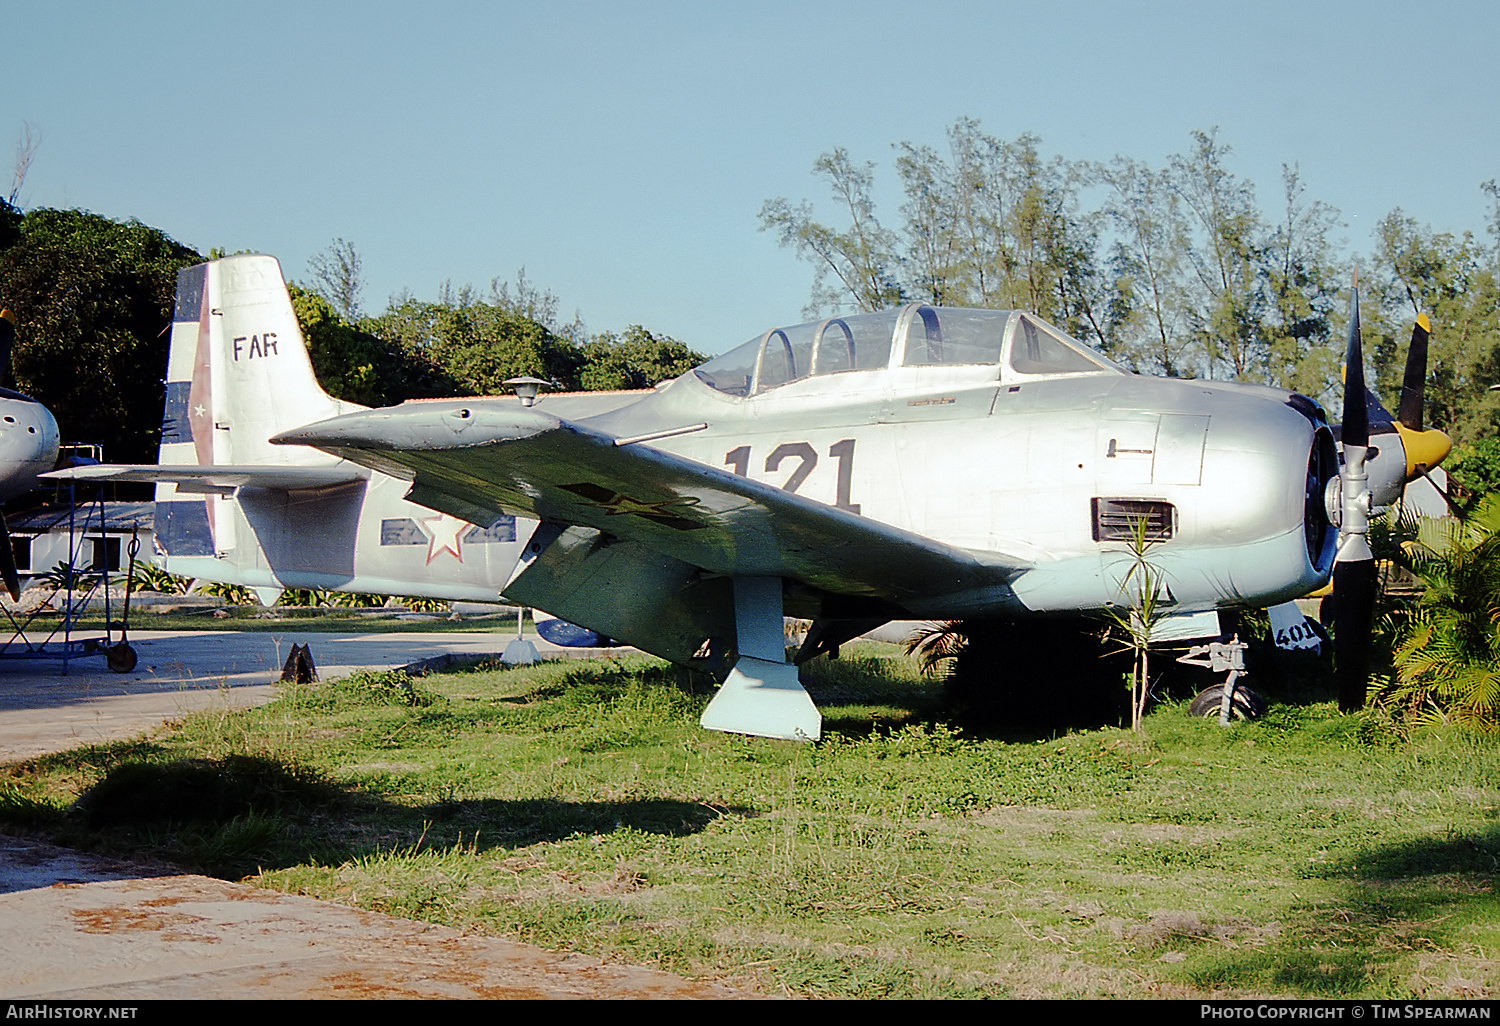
(912, 336)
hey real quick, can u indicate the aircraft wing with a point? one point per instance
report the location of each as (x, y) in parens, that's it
(220, 478)
(474, 459)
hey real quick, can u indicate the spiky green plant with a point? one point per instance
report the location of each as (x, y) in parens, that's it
(352, 600)
(235, 594)
(304, 598)
(150, 577)
(1447, 656)
(1142, 605)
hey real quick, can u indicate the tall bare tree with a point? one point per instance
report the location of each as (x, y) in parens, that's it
(1305, 285)
(26, 148)
(857, 265)
(1151, 241)
(338, 272)
(1224, 306)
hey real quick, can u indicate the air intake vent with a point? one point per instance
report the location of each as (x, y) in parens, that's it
(1118, 519)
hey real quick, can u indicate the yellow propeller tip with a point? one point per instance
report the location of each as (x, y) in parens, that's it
(1424, 323)
(7, 315)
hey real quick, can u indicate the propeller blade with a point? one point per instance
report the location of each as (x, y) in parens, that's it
(1414, 381)
(1409, 421)
(1353, 620)
(1354, 567)
(8, 562)
(1356, 425)
(1427, 448)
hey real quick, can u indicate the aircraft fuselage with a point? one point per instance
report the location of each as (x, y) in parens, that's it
(999, 440)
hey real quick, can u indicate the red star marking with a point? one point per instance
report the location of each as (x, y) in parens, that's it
(622, 504)
(443, 534)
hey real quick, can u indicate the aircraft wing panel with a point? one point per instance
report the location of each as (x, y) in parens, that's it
(512, 459)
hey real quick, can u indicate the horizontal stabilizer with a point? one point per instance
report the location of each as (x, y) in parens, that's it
(224, 478)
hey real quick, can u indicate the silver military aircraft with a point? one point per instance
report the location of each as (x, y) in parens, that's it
(28, 447)
(924, 462)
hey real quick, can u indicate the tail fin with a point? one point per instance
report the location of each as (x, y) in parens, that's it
(238, 371)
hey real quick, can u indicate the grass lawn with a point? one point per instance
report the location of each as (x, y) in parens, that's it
(579, 806)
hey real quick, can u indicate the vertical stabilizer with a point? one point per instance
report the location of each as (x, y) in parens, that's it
(237, 373)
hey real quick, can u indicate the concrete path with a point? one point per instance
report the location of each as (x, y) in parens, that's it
(88, 927)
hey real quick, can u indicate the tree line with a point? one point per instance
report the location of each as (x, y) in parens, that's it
(1174, 269)
(92, 298)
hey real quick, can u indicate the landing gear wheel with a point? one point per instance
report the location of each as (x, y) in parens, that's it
(121, 658)
(1247, 705)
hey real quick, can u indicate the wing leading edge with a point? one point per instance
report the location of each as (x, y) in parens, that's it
(217, 479)
(476, 458)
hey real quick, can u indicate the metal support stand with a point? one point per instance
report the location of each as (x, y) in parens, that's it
(520, 652)
(72, 605)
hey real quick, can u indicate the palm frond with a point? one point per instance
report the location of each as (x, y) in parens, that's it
(937, 642)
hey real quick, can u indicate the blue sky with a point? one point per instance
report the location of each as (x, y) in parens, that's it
(621, 151)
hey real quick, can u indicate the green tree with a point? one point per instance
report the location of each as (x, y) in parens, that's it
(1054, 243)
(1305, 288)
(462, 344)
(357, 366)
(338, 271)
(26, 148)
(10, 225)
(1491, 189)
(934, 258)
(1475, 466)
(93, 299)
(634, 359)
(994, 225)
(1451, 278)
(982, 195)
(525, 298)
(476, 344)
(1147, 326)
